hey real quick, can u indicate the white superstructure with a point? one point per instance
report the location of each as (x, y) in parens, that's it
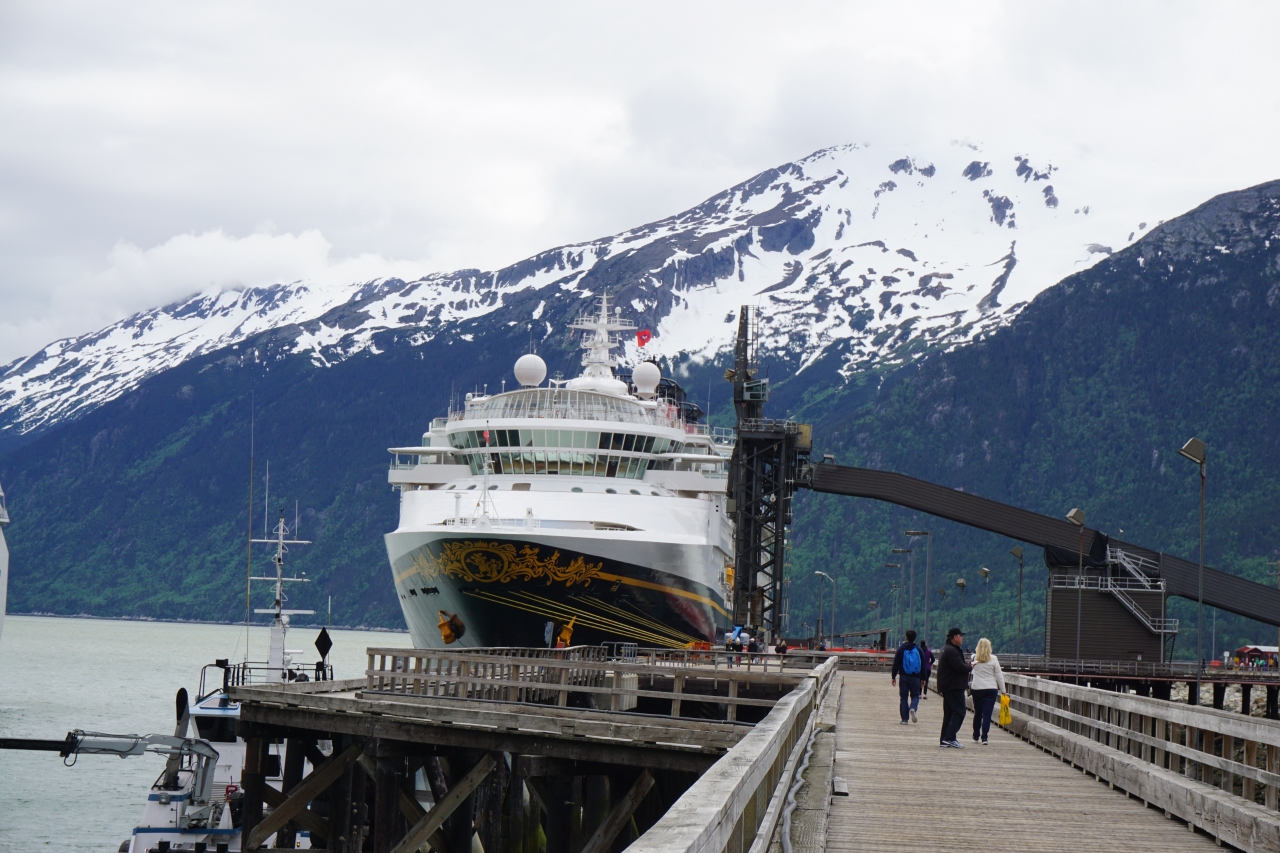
(596, 503)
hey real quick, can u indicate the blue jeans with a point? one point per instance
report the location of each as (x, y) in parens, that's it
(984, 702)
(908, 689)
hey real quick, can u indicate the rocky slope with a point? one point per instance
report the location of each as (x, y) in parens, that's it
(864, 254)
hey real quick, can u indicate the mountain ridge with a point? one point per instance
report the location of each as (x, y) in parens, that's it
(832, 243)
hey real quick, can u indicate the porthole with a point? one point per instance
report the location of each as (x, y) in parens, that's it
(472, 486)
(610, 491)
(655, 494)
(635, 491)
(494, 487)
(576, 489)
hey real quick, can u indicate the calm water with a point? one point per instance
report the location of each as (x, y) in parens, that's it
(120, 677)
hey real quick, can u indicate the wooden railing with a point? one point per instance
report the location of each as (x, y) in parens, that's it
(1215, 769)
(723, 811)
(550, 676)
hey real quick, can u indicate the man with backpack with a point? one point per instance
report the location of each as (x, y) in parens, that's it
(907, 667)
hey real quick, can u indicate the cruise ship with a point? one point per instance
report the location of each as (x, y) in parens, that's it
(587, 510)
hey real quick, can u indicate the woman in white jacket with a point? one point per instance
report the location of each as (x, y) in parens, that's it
(986, 684)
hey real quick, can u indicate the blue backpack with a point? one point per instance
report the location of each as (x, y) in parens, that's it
(911, 661)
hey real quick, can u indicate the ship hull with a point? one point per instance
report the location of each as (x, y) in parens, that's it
(502, 587)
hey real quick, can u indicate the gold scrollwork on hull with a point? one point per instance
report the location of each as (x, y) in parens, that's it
(501, 562)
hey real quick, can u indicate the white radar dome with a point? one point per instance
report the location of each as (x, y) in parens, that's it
(646, 377)
(530, 370)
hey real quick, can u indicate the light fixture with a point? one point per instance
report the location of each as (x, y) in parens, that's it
(1076, 517)
(1194, 450)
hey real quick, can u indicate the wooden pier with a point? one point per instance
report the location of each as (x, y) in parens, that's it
(585, 751)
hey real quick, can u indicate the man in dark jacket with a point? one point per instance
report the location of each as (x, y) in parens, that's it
(953, 678)
(907, 666)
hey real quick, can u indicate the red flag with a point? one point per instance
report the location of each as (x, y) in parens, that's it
(486, 436)
(643, 337)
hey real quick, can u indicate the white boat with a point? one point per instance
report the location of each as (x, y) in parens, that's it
(590, 509)
(178, 814)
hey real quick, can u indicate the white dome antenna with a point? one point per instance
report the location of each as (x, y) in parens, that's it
(646, 377)
(530, 370)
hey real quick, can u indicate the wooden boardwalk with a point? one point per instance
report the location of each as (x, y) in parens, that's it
(907, 794)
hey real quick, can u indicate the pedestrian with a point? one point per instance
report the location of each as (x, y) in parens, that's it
(953, 678)
(986, 687)
(926, 666)
(906, 668)
(781, 648)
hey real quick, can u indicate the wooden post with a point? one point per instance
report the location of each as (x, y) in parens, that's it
(359, 810)
(252, 780)
(340, 804)
(596, 802)
(1193, 693)
(294, 756)
(677, 687)
(732, 714)
(1246, 699)
(557, 805)
(1228, 752)
(386, 797)
(1273, 702)
(1273, 761)
(1248, 788)
(1219, 695)
(515, 813)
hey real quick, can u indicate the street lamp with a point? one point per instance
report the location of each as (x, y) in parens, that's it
(898, 585)
(1194, 450)
(1016, 551)
(897, 598)
(1076, 517)
(832, 628)
(817, 628)
(910, 585)
(985, 574)
(928, 563)
(960, 582)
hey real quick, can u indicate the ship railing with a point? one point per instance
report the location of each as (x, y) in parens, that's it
(249, 673)
(566, 404)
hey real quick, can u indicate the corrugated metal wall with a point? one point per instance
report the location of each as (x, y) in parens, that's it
(1108, 631)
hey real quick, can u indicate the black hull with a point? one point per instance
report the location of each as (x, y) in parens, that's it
(493, 591)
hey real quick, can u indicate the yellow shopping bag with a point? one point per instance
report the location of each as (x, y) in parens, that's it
(1005, 717)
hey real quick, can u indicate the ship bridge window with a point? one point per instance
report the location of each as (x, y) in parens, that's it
(564, 452)
(216, 729)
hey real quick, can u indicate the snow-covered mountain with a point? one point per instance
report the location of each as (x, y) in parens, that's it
(868, 254)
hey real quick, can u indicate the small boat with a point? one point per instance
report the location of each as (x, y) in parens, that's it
(215, 716)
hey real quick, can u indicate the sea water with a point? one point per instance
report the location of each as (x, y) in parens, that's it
(120, 677)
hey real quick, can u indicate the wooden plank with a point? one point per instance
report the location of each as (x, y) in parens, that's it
(303, 793)
(619, 815)
(435, 818)
(655, 756)
(1030, 802)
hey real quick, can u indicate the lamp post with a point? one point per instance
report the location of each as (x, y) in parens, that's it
(900, 584)
(1194, 450)
(897, 599)
(928, 563)
(910, 584)
(817, 627)
(1016, 551)
(832, 627)
(985, 574)
(1076, 517)
(960, 582)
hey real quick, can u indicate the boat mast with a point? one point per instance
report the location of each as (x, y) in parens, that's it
(277, 657)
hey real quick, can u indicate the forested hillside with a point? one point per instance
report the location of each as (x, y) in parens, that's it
(139, 508)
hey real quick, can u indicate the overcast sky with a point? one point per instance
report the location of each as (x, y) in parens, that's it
(149, 150)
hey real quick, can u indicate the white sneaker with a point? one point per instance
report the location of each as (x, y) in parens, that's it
(913, 716)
